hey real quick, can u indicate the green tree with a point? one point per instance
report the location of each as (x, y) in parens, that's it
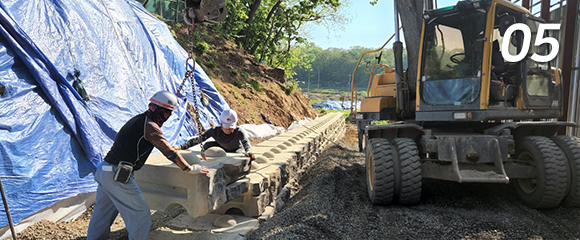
(336, 66)
(269, 29)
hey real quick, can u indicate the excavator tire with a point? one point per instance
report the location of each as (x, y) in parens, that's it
(408, 182)
(380, 172)
(571, 148)
(549, 186)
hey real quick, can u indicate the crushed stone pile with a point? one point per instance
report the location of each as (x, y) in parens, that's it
(333, 204)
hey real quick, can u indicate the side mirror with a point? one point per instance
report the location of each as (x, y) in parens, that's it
(504, 23)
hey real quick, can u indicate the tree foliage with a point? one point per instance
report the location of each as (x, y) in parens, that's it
(269, 29)
(332, 68)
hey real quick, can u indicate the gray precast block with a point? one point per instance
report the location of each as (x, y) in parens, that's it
(163, 184)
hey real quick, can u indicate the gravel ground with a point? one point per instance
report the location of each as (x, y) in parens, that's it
(77, 229)
(333, 204)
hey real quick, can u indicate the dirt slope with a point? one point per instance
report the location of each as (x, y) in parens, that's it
(251, 88)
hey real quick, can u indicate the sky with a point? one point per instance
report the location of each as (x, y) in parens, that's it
(370, 26)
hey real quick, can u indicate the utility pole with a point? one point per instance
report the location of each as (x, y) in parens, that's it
(349, 77)
(318, 80)
(309, 81)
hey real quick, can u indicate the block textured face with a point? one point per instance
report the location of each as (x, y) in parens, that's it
(234, 182)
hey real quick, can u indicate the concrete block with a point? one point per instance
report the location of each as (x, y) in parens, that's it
(225, 221)
(163, 184)
(195, 226)
(233, 181)
(258, 183)
(236, 189)
(253, 202)
(268, 213)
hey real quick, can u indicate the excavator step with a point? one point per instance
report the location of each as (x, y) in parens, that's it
(480, 176)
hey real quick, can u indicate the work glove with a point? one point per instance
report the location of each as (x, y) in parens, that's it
(251, 156)
(198, 169)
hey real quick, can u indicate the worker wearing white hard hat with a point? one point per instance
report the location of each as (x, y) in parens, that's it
(227, 136)
(117, 191)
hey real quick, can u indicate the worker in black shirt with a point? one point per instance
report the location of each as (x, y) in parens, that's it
(117, 190)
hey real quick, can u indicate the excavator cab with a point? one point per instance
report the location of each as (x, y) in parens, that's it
(457, 77)
(476, 117)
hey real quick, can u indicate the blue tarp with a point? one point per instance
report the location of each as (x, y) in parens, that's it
(333, 105)
(51, 140)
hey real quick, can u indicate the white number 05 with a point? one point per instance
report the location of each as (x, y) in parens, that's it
(540, 39)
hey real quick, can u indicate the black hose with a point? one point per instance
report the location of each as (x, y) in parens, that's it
(400, 82)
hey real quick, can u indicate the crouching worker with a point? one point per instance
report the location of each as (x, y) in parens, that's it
(117, 190)
(227, 136)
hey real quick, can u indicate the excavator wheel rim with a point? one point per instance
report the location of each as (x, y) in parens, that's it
(528, 185)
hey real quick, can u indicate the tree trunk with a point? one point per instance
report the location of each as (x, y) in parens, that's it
(290, 38)
(270, 14)
(411, 14)
(253, 8)
(274, 8)
(265, 45)
(229, 19)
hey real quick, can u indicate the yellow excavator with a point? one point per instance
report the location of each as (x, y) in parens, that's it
(471, 117)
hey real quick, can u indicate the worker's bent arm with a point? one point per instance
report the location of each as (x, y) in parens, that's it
(245, 140)
(154, 135)
(196, 140)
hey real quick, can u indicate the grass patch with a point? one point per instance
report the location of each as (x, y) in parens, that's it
(210, 63)
(290, 87)
(202, 46)
(345, 92)
(236, 94)
(240, 83)
(345, 112)
(245, 74)
(251, 84)
(310, 102)
(256, 85)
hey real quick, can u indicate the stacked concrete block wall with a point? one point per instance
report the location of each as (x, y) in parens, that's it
(281, 162)
(234, 183)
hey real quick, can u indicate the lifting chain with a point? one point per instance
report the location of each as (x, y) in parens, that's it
(189, 74)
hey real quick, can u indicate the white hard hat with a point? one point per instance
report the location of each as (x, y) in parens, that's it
(164, 99)
(229, 118)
